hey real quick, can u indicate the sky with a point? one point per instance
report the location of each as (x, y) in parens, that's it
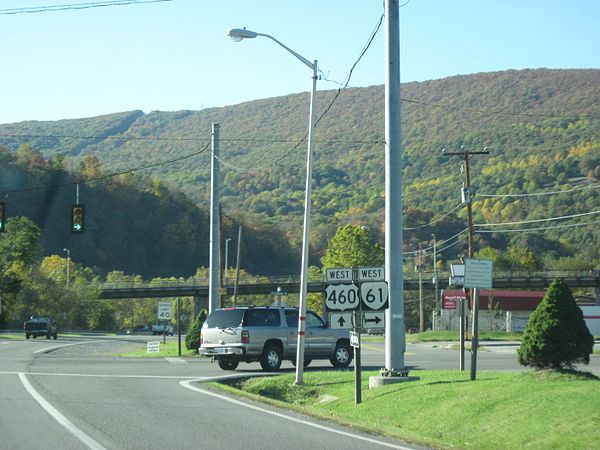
(175, 55)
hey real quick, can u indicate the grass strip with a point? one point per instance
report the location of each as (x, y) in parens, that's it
(532, 409)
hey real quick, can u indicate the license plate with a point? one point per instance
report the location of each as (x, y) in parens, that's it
(222, 350)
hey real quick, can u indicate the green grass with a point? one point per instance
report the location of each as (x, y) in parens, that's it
(436, 336)
(170, 349)
(533, 409)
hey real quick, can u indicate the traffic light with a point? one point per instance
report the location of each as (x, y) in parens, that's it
(77, 223)
(2, 218)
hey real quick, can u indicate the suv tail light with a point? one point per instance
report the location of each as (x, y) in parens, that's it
(245, 337)
(200, 340)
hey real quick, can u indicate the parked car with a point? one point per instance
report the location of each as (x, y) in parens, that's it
(140, 329)
(270, 335)
(162, 328)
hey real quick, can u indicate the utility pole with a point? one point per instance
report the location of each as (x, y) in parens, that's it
(421, 308)
(466, 199)
(438, 309)
(215, 183)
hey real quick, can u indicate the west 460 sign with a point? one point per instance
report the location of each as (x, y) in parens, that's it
(372, 295)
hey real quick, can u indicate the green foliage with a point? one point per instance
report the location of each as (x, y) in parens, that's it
(193, 335)
(353, 246)
(556, 336)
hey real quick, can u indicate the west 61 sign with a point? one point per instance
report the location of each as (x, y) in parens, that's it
(367, 292)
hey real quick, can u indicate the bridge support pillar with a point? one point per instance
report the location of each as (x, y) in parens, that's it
(199, 303)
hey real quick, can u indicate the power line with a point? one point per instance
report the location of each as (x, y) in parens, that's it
(433, 221)
(540, 228)
(497, 112)
(579, 188)
(74, 6)
(537, 220)
(110, 175)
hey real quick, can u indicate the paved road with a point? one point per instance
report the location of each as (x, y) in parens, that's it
(71, 394)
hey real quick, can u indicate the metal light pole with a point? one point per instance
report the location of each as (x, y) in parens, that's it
(237, 35)
(395, 339)
(68, 264)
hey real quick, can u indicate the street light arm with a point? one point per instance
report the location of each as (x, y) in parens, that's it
(237, 34)
(300, 57)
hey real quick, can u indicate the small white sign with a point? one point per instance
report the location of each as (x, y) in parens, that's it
(164, 310)
(354, 339)
(478, 273)
(153, 347)
(340, 320)
(371, 274)
(339, 275)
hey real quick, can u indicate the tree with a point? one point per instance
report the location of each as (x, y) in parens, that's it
(352, 246)
(192, 338)
(556, 335)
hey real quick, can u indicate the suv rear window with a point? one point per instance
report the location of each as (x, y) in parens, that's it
(225, 318)
(262, 318)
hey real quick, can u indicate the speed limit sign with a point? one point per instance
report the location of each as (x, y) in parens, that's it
(341, 297)
(164, 310)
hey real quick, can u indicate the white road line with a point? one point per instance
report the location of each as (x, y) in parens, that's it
(71, 428)
(49, 349)
(187, 384)
(92, 375)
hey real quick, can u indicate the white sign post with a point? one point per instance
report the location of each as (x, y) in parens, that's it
(478, 275)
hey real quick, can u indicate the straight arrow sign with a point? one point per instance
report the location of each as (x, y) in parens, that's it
(340, 320)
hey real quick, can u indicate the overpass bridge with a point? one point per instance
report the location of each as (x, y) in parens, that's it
(198, 288)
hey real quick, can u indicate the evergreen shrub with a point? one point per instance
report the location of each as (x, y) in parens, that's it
(556, 335)
(193, 335)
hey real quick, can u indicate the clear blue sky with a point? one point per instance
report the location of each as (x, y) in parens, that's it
(175, 55)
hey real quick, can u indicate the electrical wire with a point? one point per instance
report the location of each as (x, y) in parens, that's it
(110, 175)
(433, 221)
(539, 228)
(424, 250)
(579, 188)
(497, 112)
(536, 220)
(74, 6)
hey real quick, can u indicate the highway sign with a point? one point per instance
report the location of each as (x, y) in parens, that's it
(341, 297)
(339, 275)
(340, 320)
(374, 295)
(373, 319)
(164, 310)
(371, 274)
(478, 273)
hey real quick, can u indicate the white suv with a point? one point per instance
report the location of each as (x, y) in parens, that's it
(269, 335)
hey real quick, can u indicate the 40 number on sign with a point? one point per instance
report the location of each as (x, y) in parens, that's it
(341, 297)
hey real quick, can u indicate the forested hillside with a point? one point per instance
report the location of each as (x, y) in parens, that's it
(541, 127)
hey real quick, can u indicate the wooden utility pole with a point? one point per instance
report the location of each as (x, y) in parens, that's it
(466, 199)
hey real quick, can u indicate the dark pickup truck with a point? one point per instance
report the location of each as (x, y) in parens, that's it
(40, 326)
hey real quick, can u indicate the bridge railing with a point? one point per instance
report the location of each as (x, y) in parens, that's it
(426, 276)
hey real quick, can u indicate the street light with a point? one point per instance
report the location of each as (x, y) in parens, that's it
(68, 264)
(237, 34)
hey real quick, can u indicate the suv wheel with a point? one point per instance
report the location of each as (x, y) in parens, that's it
(227, 365)
(342, 355)
(270, 359)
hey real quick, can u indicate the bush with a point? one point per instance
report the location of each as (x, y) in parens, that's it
(193, 335)
(556, 335)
